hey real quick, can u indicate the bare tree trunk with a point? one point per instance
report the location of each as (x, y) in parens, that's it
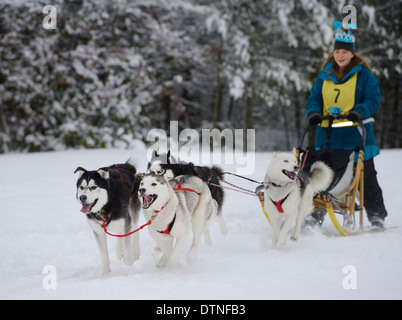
(285, 122)
(218, 102)
(394, 132)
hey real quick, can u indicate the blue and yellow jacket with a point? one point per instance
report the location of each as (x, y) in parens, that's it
(366, 100)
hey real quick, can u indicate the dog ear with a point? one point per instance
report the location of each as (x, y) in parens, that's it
(294, 151)
(104, 172)
(80, 171)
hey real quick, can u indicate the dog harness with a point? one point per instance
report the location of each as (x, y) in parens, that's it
(179, 187)
(279, 203)
(169, 227)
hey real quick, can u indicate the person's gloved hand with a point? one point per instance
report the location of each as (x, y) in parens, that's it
(354, 116)
(314, 118)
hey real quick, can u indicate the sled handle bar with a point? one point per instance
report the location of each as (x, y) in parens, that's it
(331, 118)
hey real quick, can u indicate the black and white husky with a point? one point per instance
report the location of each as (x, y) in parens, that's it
(109, 195)
(163, 165)
(289, 193)
(174, 208)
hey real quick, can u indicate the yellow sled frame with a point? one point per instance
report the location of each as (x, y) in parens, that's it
(261, 198)
(345, 202)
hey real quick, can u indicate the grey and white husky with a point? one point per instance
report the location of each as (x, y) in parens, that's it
(289, 193)
(110, 194)
(166, 165)
(175, 207)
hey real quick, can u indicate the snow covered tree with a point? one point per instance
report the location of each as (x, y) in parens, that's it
(114, 69)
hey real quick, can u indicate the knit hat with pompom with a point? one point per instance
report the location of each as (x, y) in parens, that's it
(343, 40)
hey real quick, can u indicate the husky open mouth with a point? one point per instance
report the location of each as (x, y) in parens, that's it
(148, 199)
(87, 207)
(292, 175)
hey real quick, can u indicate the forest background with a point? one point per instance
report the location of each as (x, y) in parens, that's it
(113, 70)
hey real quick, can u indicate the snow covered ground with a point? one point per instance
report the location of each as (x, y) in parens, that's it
(41, 225)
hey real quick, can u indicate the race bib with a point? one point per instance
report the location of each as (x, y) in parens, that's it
(338, 97)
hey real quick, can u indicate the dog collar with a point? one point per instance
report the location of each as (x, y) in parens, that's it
(157, 211)
(102, 215)
(275, 185)
(272, 184)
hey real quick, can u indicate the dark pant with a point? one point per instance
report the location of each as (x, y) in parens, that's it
(373, 200)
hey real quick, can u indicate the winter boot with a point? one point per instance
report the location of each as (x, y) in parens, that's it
(316, 219)
(377, 223)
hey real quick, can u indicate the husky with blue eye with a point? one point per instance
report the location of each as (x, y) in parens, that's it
(289, 193)
(109, 196)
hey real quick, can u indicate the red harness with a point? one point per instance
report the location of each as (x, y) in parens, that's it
(121, 177)
(170, 225)
(179, 187)
(279, 203)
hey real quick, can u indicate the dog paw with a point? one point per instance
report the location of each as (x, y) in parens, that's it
(192, 256)
(162, 262)
(223, 227)
(293, 238)
(208, 242)
(174, 261)
(282, 241)
(106, 269)
(207, 239)
(128, 260)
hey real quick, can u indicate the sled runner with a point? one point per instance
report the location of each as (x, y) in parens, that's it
(345, 195)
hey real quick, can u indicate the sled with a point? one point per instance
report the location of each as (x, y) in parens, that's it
(344, 198)
(260, 194)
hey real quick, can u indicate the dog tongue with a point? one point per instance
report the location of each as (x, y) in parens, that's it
(85, 208)
(145, 201)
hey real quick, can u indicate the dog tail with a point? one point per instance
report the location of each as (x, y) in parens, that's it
(320, 176)
(132, 161)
